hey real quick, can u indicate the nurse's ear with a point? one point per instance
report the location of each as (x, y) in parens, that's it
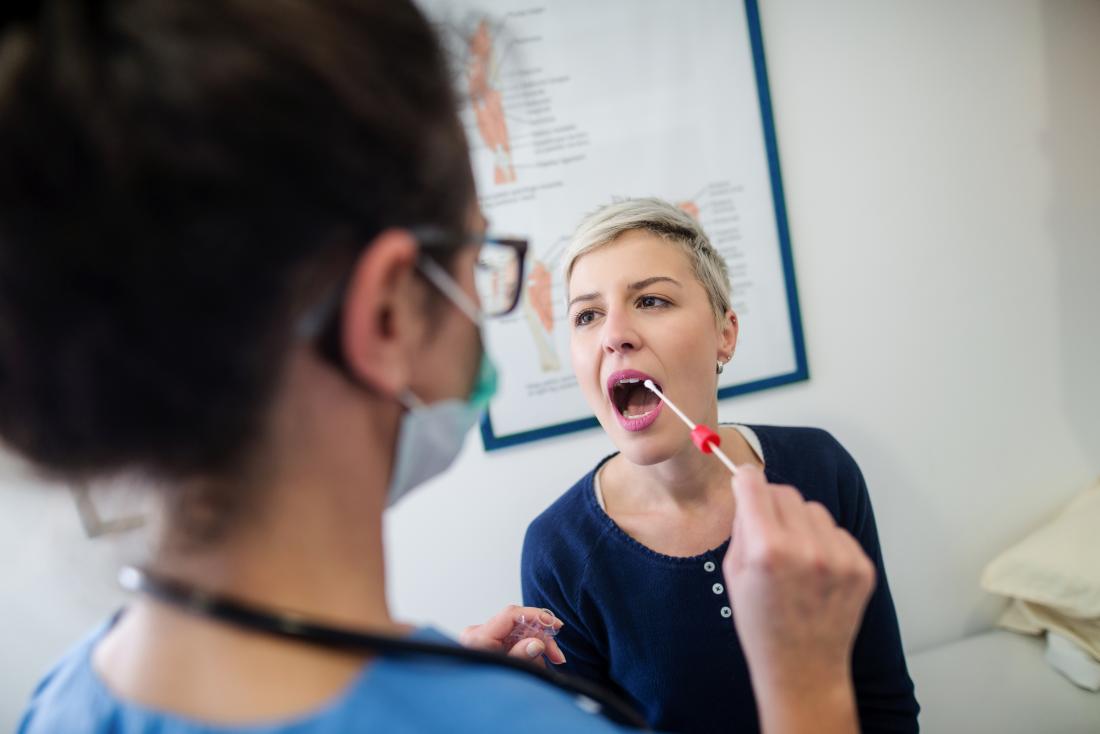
(383, 313)
(727, 336)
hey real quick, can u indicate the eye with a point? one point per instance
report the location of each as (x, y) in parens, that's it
(652, 302)
(583, 318)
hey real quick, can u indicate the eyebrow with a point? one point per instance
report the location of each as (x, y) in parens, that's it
(636, 286)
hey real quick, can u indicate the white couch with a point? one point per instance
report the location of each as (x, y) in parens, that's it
(999, 682)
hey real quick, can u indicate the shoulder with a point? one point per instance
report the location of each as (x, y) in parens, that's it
(799, 438)
(560, 543)
(795, 450)
(571, 522)
(439, 694)
(70, 696)
(422, 693)
(815, 462)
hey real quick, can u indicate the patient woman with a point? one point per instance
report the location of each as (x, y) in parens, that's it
(630, 557)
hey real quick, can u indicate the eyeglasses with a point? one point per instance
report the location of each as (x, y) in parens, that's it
(498, 271)
(498, 277)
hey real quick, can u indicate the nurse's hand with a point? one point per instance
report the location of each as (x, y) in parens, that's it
(798, 586)
(491, 635)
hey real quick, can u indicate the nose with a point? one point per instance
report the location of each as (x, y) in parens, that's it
(619, 335)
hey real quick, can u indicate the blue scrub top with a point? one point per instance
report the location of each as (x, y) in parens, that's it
(416, 694)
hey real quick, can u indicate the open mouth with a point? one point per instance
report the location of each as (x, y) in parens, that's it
(635, 405)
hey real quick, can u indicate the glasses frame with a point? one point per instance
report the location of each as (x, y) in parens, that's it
(437, 238)
(322, 322)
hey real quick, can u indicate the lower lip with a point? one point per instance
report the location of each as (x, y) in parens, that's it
(640, 423)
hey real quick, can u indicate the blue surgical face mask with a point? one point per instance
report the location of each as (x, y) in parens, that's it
(431, 436)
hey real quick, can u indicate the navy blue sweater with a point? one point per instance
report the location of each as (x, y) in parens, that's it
(658, 629)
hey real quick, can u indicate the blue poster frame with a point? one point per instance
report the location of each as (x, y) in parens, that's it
(801, 372)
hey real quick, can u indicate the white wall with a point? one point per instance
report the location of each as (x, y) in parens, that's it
(54, 585)
(941, 165)
(1071, 47)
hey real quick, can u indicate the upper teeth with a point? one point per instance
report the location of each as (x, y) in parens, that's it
(629, 380)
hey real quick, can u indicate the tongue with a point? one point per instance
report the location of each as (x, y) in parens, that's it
(639, 401)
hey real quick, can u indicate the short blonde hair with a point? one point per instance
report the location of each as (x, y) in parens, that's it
(667, 221)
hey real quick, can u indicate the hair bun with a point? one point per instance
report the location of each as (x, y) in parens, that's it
(19, 11)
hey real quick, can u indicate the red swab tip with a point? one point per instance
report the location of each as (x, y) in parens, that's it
(704, 438)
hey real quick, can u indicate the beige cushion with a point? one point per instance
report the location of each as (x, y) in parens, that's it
(1057, 566)
(1034, 619)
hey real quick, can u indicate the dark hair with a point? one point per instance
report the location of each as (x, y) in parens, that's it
(170, 171)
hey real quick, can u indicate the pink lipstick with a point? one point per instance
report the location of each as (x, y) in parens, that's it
(635, 407)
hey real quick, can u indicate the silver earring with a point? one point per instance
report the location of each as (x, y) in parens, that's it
(721, 366)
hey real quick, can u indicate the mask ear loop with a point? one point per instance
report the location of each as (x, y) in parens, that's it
(446, 284)
(314, 321)
(322, 322)
(409, 400)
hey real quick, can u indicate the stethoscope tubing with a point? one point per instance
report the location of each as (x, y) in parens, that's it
(289, 625)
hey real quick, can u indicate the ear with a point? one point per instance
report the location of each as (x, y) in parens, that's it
(727, 336)
(381, 317)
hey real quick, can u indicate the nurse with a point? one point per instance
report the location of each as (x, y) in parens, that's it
(238, 240)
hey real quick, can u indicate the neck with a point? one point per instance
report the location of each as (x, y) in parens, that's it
(311, 541)
(309, 555)
(688, 477)
(308, 540)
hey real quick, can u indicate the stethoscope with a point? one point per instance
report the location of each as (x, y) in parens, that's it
(590, 696)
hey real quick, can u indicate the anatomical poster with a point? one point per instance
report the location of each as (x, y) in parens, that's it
(571, 105)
